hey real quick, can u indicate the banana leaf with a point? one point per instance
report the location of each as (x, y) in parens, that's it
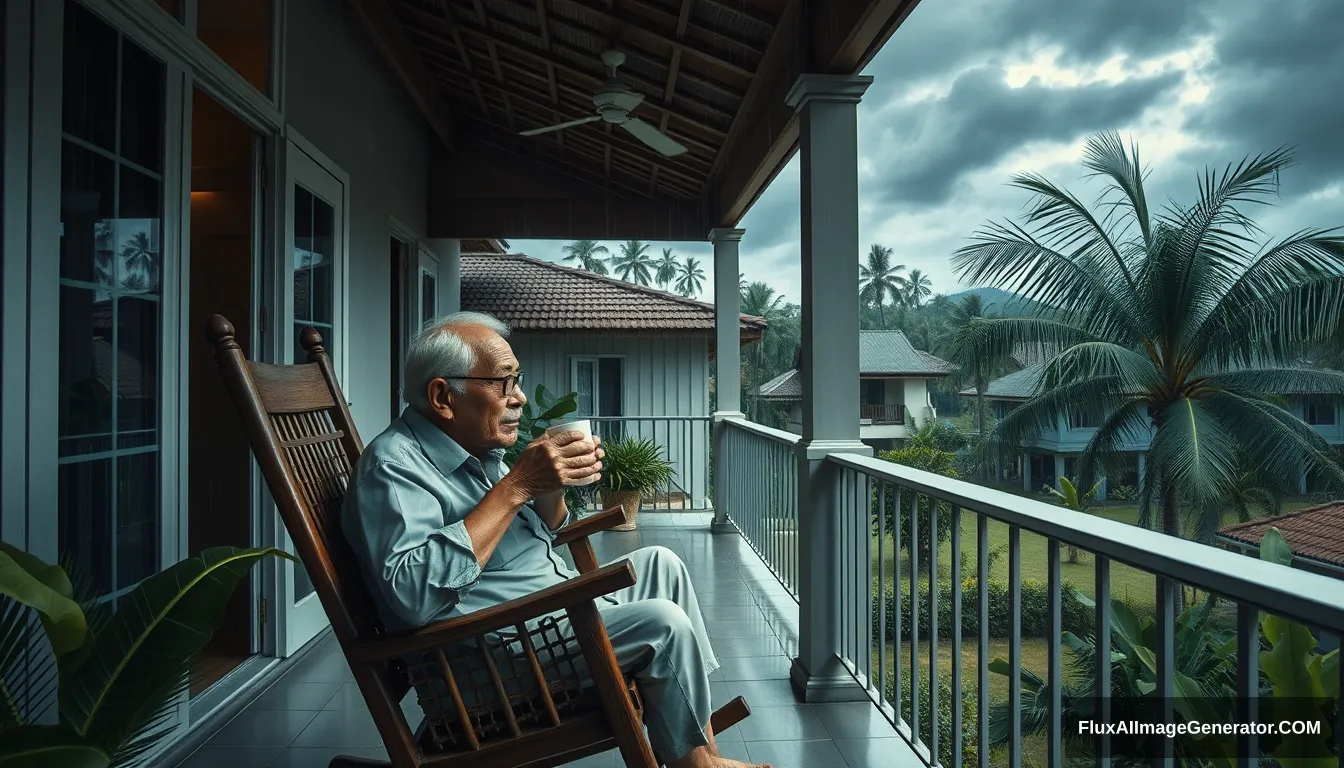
(137, 664)
(47, 590)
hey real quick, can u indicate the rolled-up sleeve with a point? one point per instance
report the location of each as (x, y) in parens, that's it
(421, 567)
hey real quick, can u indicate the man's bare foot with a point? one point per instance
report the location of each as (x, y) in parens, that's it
(723, 762)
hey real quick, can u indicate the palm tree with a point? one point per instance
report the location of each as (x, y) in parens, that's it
(633, 262)
(691, 279)
(973, 366)
(588, 254)
(760, 300)
(139, 255)
(1177, 322)
(667, 268)
(917, 288)
(741, 282)
(880, 279)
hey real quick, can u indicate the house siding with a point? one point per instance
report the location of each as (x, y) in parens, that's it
(664, 376)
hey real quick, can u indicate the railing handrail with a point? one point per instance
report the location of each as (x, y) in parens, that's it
(1290, 592)
(770, 433)
(644, 418)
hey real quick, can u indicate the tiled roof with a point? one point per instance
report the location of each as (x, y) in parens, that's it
(1019, 385)
(535, 295)
(1316, 532)
(890, 353)
(881, 353)
(785, 386)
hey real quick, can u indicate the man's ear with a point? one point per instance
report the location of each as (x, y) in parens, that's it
(441, 397)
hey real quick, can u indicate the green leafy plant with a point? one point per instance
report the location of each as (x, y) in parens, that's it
(1124, 493)
(634, 464)
(1069, 496)
(928, 457)
(114, 678)
(539, 414)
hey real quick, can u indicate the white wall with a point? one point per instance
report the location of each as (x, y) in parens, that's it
(664, 376)
(917, 399)
(343, 98)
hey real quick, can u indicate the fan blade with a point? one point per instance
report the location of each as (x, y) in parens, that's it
(560, 127)
(655, 138)
(628, 101)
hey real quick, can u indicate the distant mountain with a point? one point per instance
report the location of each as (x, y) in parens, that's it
(998, 300)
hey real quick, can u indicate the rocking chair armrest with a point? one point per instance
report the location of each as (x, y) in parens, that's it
(582, 529)
(585, 588)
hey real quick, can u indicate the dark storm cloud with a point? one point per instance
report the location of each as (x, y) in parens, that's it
(774, 218)
(981, 120)
(944, 36)
(1278, 80)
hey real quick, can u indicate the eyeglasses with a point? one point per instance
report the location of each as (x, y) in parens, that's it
(508, 384)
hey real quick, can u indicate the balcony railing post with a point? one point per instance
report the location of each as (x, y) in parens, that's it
(727, 360)
(827, 107)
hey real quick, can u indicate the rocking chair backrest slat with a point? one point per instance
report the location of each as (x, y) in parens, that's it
(305, 442)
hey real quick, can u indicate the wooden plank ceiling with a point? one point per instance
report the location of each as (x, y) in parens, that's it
(505, 66)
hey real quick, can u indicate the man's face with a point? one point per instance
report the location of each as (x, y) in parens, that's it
(483, 417)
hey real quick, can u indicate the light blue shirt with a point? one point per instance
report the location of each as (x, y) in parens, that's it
(409, 494)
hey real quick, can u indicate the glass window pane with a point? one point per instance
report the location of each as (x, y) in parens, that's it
(110, 335)
(89, 97)
(137, 372)
(239, 32)
(88, 205)
(85, 396)
(86, 520)
(303, 254)
(141, 108)
(324, 246)
(583, 385)
(137, 517)
(428, 299)
(137, 233)
(303, 583)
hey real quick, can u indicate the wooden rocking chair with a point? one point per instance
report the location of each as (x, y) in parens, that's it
(478, 710)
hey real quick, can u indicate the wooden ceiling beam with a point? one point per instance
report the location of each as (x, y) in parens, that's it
(764, 21)
(464, 54)
(636, 152)
(383, 26)
(638, 32)
(696, 169)
(596, 81)
(546, 45)
(592, 81)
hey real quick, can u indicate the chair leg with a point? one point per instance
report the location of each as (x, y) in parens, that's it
(345, 761)
(729, 714)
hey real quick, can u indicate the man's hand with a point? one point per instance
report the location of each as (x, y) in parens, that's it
(549, 464)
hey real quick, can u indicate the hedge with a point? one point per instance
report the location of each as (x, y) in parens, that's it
(1076, 616)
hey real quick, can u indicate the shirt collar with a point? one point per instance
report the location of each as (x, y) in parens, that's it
(442, 450)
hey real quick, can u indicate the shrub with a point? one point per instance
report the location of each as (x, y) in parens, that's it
(945, 703)
(929, 459)
(1124, 493)
(1076, 615)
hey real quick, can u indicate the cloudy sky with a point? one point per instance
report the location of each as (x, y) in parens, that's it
(968, 92)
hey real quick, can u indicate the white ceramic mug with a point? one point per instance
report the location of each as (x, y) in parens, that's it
(582, 425)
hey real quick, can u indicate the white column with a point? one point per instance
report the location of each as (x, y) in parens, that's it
(727, 359)
(827, 108)
(449, 251)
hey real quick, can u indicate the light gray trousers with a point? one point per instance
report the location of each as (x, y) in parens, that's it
(659, 638)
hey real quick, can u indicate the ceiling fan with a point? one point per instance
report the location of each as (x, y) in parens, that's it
(615, 100)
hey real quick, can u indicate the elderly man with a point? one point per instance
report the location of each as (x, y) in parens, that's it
(443, 528)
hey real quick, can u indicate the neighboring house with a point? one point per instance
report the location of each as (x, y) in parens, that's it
(894, 380)
(638, 357)
(1315, 534)
(1052, 453)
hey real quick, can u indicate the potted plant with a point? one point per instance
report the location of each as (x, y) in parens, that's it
(632, 468)
(114, 678)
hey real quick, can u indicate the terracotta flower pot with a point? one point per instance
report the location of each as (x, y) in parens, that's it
(628, 499)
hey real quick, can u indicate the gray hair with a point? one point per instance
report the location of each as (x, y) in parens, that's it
(438, 351)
